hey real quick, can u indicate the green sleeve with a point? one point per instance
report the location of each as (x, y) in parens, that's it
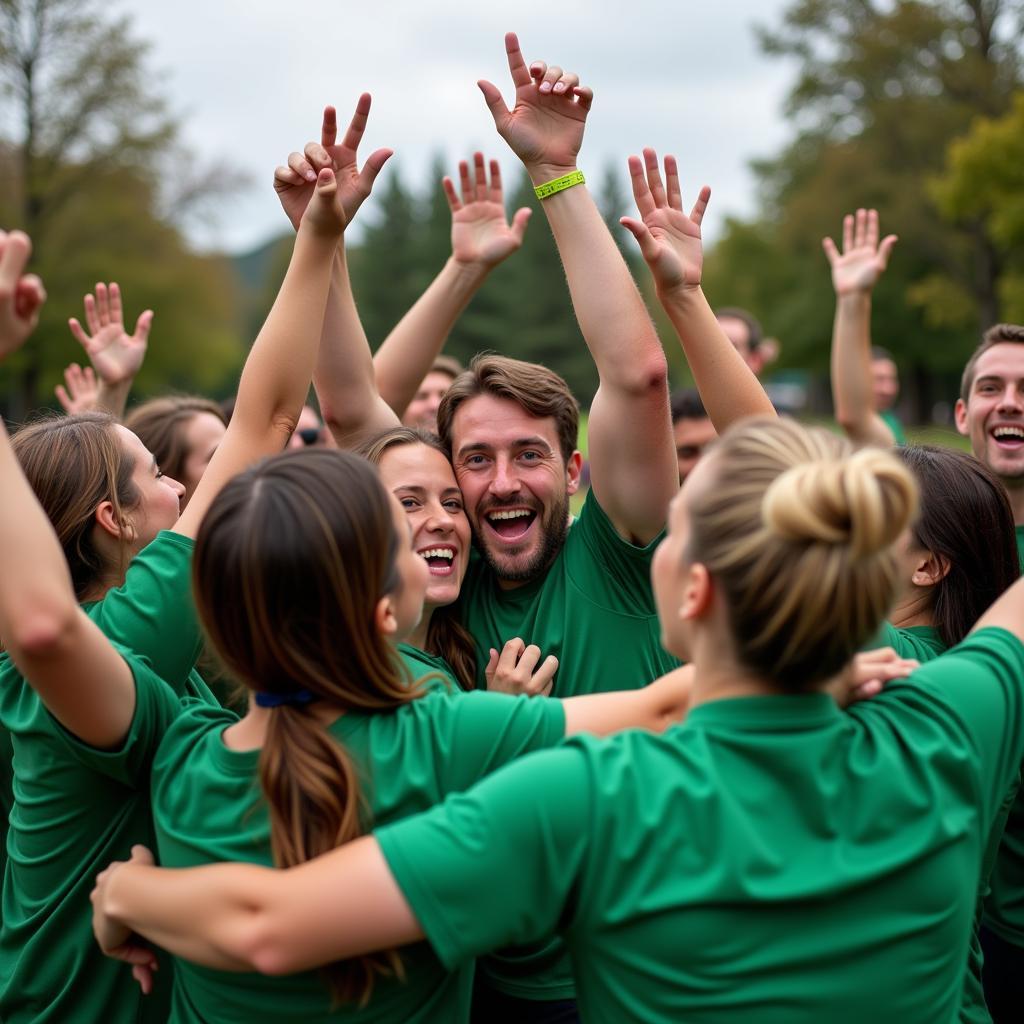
(608, 562)
(153, 613)
(496, 866)
(980, 684)
(156, 707)
(487, 730)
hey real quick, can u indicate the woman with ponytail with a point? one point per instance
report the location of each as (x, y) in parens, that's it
(772, 858)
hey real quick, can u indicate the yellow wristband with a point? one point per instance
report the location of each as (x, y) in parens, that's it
(549, 188)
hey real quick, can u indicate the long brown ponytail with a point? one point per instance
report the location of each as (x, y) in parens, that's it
(290, 563)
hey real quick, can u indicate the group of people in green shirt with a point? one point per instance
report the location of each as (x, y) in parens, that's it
(705, 793)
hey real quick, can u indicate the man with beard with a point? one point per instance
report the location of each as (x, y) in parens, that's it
(990, 411)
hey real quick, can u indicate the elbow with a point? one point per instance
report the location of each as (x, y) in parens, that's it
(646, 377)
(264, 948)
(43, 630)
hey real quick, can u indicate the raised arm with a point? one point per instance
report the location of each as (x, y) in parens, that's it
(275, 378)
(49, 638)
(343, 377)
(633, 472)
(671, 245)
(854, 273)
(115, 354)
(481, 239)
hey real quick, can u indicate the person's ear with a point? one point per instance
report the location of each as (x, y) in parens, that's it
(698, 593)
(930, 569)
(384, 616)
(960, 416)
(573, 471)
(106, 520)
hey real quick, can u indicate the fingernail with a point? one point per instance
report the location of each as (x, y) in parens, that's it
(310, 176)
(545, 87)
(560, 87)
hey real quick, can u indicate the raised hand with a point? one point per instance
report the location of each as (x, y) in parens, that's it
(21, 295)
(480, 233)
(868, 673)
(294, 184)
(545, 126)
(863, 259)
(515, 670)
(324, 215)
(113, 938)
(669, 239)
(82, 393)
(115, 354)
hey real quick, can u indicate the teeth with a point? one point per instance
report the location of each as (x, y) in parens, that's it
(516, 513)
(438, 553)
(1001, 432)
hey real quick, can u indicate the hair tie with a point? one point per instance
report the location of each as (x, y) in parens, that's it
(292, 699)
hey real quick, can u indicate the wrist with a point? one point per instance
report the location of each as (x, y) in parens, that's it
(543, 172)
(681, 294)
(469, 272)
(853, 300)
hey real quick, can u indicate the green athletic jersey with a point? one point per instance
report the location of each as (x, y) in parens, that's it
(770, 859)
(1004, 908)
(594, 610)
(76, 809)
(207, 807)
(920, 642)
(436, 671)
(892, 421)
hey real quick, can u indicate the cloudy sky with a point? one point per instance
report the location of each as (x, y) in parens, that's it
(249, 79)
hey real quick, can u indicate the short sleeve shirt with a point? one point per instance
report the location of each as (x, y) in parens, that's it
(771, 858)
(208, 807)
(434, 671)
(75, 809)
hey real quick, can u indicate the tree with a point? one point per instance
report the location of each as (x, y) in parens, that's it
(881, 91)
(83, 136)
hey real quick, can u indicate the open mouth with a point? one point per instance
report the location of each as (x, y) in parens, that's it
(511, 524)
(440, 559)
(1010, 438)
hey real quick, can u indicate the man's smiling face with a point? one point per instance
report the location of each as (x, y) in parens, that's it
(515, 483)
(993, 415)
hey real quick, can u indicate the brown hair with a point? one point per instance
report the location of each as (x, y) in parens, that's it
(446, 636)
(290, 562)
(965, 519)
(160, 424)
(1000, 334)
(448, 365)
(73, 464)
(540, 392)
(798, 531)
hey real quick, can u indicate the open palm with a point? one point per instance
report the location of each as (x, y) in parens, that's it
(670, 239)
(480, 232)
(863, 259)
(115, 354)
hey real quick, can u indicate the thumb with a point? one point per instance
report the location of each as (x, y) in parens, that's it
(143, 324)
(492, 97)
(492, 664)
(885, 250)
(638, 229)
(326, 183)
(519, 222)
(142, 854)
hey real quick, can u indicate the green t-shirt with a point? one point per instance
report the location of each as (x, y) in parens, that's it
(1004, 908)
(207, 807)
(435, 671)
(770, 859)
(594, 610)
(892, 421)
(920, 642)
(76, 809)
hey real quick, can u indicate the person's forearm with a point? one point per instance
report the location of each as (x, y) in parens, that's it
(113, 398)
(408, 352)
(851, 371)
(727, 386)
(344, 377)
(611, 313)
(37, 600)
(654, 707)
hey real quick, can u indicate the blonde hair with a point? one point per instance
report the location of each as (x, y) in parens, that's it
(798, 531)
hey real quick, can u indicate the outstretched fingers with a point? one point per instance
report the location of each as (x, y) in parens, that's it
(516, 65)
(831, 251)
(885, 249)
(356, 127)
(848, 232)
(373, 166)
(641, 190)
(638, 229)
(654, 177)
(701, 205)
(519, 222)
(450, 194)
(329, 127)
(496, 194)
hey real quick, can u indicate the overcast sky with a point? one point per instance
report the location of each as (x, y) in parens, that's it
(249, 79)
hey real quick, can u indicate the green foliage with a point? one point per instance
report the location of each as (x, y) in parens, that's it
(881, 92)
(85, 138)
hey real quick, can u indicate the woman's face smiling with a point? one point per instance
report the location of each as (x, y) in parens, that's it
(422, 480)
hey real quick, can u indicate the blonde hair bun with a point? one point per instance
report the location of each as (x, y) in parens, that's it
(863, 502)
